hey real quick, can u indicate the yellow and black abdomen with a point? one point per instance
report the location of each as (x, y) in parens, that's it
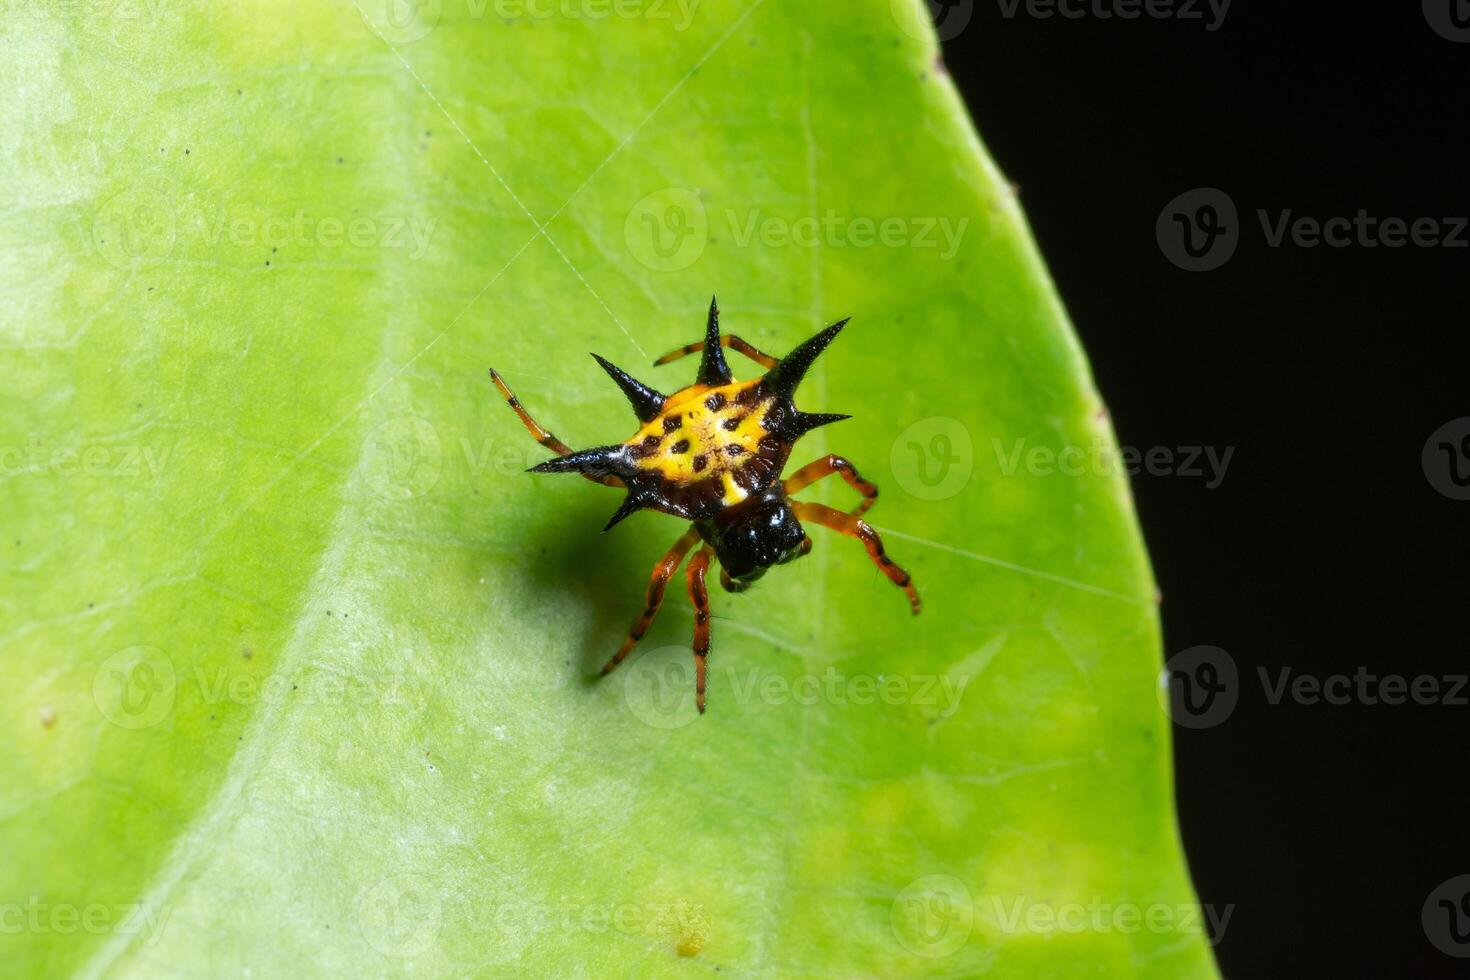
(712, 447)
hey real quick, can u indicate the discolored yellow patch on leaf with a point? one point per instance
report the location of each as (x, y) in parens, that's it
(691, 927)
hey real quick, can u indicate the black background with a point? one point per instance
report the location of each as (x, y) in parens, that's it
(1325, 549)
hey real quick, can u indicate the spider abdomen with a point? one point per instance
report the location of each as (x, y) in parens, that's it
(711, 447)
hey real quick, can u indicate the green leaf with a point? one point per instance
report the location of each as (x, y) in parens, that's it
(299, 660)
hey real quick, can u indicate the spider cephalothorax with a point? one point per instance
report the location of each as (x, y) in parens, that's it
(713, 454)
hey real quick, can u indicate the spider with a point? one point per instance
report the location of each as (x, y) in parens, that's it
(713, 454)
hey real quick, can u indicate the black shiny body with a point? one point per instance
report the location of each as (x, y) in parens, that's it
(753, 535)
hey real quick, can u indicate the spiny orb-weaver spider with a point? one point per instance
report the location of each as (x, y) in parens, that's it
(713, 453)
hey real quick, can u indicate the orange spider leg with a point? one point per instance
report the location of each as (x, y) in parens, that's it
(662, 572)
(854, 528)
(543, 435)
(726, 340)
(699, 595)
(826, 466)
